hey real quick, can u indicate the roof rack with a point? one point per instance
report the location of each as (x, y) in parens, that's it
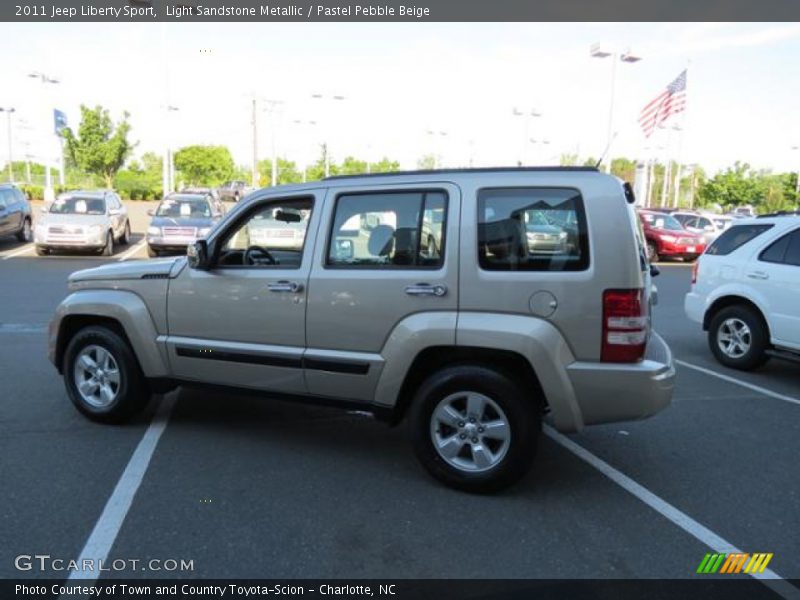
(780, 213)
(467, 170)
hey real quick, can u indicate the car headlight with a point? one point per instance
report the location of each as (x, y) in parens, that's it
(668, 238)
(562, 235)
(95, 229)
(153, 231)
(203, 231)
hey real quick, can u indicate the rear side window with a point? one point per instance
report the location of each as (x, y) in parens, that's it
(532, 229)
(785, 250)
(736, 236)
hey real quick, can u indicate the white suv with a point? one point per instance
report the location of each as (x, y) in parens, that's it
(745, 291)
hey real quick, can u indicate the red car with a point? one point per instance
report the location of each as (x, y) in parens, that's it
(666, 237)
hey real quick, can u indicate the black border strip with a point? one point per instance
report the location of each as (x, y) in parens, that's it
(316, 364)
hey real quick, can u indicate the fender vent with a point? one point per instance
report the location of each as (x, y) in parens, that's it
(155, 276)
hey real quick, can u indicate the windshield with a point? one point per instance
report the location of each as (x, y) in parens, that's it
(79, 206)
(663, 222)
(184, 207)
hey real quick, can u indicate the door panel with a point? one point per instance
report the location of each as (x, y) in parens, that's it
(404, 261)
(243, 325)
(780, 284)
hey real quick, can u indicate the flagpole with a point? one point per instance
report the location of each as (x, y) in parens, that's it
(682, 131)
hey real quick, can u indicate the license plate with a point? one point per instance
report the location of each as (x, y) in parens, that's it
(690, 249)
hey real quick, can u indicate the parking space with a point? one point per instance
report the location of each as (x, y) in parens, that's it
(247, 487)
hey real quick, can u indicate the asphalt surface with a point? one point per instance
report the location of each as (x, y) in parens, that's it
(251, 488)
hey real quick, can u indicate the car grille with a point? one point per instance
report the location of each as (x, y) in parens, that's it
(65, 234)
(684, 241)
(181, 232)
(544, 236)
(65, 229)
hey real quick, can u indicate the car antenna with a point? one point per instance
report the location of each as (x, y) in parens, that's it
(608, 147)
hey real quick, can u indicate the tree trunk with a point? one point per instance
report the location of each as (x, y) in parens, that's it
(109, 180)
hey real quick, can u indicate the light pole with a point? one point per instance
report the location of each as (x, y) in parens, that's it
(598, 51)
(304, 124)
(49, 195)
(331, 98)
(542, 142)
(272, 108)
(526, 114)
(438, 162)
(167, 171)
(8, 111)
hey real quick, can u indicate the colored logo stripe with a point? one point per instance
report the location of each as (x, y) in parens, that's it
(734, 563)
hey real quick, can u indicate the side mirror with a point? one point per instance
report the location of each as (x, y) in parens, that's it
(708, 228)
(114, 212)
(43, 210)
(654, 271)
(197, 255)
(151, 212)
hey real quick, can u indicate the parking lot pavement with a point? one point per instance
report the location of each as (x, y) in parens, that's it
(251, 488)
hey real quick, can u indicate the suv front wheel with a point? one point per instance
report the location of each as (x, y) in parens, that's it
(474, 429)
(102, 376)
(738, 338)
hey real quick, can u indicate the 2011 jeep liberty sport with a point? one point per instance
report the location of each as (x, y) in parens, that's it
(471, 302)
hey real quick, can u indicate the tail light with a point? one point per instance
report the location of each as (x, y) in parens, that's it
(625, 326)
(695, 265)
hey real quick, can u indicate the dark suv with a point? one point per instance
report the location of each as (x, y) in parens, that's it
(232, 191)
(15, 213)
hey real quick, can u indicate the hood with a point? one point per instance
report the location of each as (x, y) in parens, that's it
(182, 222)
(165, 268)
(71, 219)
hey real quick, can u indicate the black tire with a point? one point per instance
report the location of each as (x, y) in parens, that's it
(132, 392)
(42, 251)
(152, 252)
(25, 235)
(523, 414)
(652, 252)
(758, 337)
(108, 249)
(126, 234)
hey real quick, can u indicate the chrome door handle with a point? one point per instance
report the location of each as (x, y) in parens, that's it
(426, 289)
(285, 286)
(758, 275)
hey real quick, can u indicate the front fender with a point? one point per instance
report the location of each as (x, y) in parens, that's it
(127, 309)
(748, 294)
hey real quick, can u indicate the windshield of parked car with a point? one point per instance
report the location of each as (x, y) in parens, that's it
(79, 206)
(663, 222)
(196, 208)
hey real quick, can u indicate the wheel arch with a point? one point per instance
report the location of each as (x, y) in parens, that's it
(732, 300)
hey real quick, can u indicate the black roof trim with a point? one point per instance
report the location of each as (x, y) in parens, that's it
(780, 213)
(467, 170)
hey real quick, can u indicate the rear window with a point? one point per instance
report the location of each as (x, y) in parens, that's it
(736, 236)
(532, 229)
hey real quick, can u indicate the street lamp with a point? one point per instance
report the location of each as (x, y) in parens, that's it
(526, 114)
(272, 107)
(48, 181)
(8, 111)
(437, 149)
(331, 98)
(535, 141)
(167, 170)
(598, 51)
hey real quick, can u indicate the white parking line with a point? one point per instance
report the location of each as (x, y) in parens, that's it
(105, 531)
(720, 545)
(749, 386)
(134, 249)
(20, 251)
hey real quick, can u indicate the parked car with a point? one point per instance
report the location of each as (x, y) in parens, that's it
(474, 344)
(706, 225)
(233, 191)
(219, 206)
(15, 213)
(666, 237)
(542, 235)
(179, 220)
(745, 292)
(83, 220)
(744, 211)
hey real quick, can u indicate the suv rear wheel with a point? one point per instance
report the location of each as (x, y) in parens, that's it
(474, 429)
(738, 338)
(102, 376)
(25, 235)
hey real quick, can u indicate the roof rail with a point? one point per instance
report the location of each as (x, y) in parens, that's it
(780, 213)
(467, 170)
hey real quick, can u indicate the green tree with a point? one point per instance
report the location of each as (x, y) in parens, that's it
(385, 165)
(735, 186)
(569, 160)
(775, 197)
(427, 162)
(287, 172)
(204, 165)
(100, 146)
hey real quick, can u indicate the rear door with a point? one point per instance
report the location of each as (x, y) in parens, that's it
(776, 272)
(6, 212)
(385, 254)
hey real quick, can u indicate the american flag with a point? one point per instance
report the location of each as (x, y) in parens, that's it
(669, 102)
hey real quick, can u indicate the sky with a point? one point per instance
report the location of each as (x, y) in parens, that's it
(412, 89)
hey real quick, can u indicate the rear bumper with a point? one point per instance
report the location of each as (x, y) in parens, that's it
(694, 305)
(610, 392)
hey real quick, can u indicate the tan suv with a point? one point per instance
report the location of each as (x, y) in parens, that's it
(412, 295)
